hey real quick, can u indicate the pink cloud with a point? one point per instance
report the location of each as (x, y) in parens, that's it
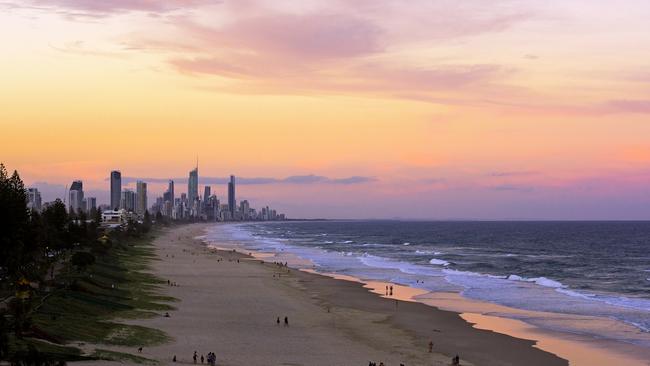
(442, 20)
(339, 46)
(99, 7)
(308, 36)
(626, 106)
(315, 52)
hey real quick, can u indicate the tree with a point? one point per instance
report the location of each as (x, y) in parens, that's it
(146, 222)
(55, 219)
(132, 228)
(92, 214)
(4, 337)
(82, 260)
(14, 221)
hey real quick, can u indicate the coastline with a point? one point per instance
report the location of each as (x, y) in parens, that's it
(578, 349)
(229, 302)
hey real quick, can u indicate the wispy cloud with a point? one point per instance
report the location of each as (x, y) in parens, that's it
(340, 47)
(626, 106)
(515, 173)
(108, 7)
(294, 179)
(512, 187)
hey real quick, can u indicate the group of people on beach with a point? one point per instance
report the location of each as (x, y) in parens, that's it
(211, 358)
(455, 360)
(172, 283)
(286, 321)
(389, 290)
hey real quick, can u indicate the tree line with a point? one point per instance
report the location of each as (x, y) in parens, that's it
(35, 246)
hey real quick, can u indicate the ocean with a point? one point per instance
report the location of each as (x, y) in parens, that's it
(584, 269)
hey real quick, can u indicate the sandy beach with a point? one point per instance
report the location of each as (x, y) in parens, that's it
(229, 304)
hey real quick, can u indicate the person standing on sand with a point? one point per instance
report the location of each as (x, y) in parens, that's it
(430, 346)
(286, 321)
(194, 357)
(278, 321)
(391, 290)
(202, 359)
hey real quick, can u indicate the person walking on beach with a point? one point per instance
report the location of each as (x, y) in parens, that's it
(202, 359)
(286, 321)
(386, 290)
(430, 346)
(194, 357)
(278, 321)
(391, 290)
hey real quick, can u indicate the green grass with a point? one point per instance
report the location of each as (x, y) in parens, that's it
(25, 349)
(116, 286)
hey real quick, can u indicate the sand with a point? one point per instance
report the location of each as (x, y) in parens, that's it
(229, 303)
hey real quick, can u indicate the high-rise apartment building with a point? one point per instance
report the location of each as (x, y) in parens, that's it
(193, 186)
(91, 203)
(141, 204)
(170, 189)
(232, 204)
(116, 189)
(128, 200)
(244, 208)
(206, 193)
(33, 199)
(76, 197)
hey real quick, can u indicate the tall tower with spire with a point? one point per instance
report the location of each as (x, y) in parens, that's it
(193, 184)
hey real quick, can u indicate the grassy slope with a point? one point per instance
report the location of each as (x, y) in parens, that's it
(116, 286)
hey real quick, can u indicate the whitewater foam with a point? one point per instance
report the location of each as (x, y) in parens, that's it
(438, 262)
(392, 263)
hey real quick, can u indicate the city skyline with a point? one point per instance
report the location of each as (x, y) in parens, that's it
(438, 109)
(135, 203)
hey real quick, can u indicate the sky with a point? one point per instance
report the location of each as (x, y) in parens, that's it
(437, 109)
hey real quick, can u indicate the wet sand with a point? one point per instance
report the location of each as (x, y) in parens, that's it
(229, 303)
(578, 349)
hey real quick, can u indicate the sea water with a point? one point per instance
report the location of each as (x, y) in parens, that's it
(586, 269)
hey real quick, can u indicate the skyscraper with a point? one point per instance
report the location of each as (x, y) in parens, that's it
(76, 197)
(116, 189)
(91, 203)
(232, 204)
(33, 199)
(170, 189)
(128, 200)
(244, 208)
(193, 186)
(206, 194)
(141, 204)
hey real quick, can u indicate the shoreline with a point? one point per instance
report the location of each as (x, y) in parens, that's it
(451, 334)
(229, 302)
(578, 349)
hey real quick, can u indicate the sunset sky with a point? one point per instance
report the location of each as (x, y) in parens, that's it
(341, 109)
